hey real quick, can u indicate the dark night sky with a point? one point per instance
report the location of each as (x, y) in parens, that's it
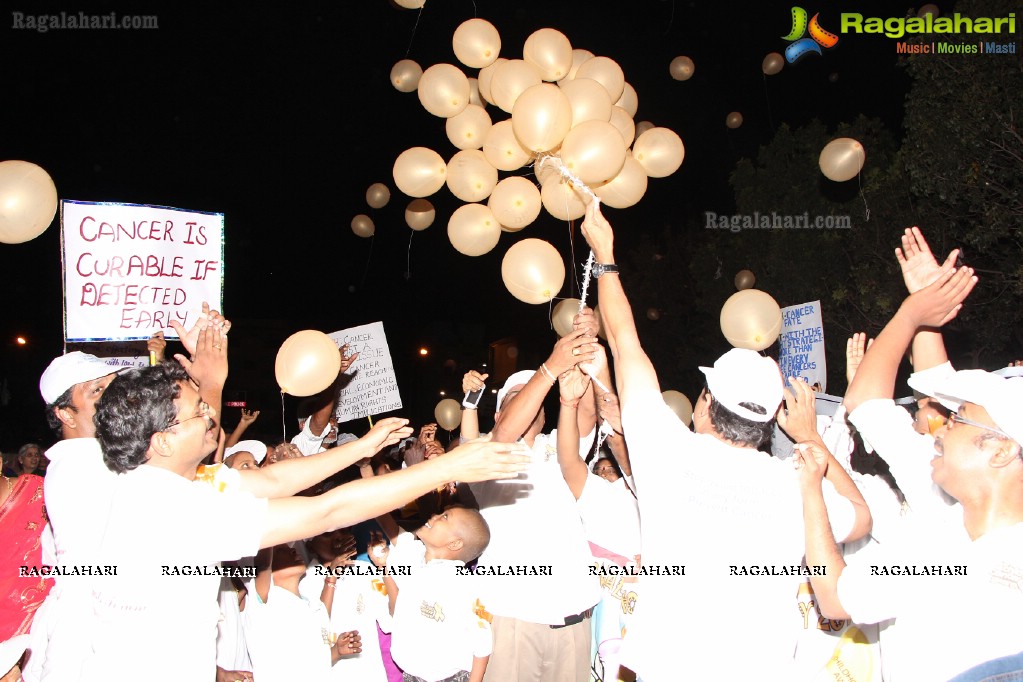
(281, 118)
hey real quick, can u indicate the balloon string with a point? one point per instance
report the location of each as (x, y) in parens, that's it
(578, 185)
(571, 256)
(408, 258)
(284, 423)
(586, 281)
(866, 209)
(412, 37)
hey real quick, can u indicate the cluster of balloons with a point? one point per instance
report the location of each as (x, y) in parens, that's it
(28, 201)
(751, 319)
(842, 159)
(566, 105)
(307, 363)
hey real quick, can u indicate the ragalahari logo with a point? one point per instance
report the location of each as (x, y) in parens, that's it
(802, 46)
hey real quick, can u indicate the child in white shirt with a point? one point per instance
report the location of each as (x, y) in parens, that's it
(440, 631)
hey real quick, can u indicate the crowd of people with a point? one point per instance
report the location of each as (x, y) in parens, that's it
(763, 541)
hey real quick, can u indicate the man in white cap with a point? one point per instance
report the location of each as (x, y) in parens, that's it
(712, 502)
(955, 590)
(541, 623)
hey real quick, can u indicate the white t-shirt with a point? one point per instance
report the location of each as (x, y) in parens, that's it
(232, 652)
(359, 601)
(534, 522)
(725, 513)
(437, 625)
(77, 487)
(946, 623)
(610, 516)
(158, 519)
(288, 638)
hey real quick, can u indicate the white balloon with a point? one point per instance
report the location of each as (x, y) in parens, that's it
(473, 230)
(550, 52)
(28, 201)
(578, 57)
(593, 151)
(533, 271)
(468, 129)
(419, 172)
(541, 117)
(444, 90)
(474, 93)
(626, 188)
(486, 75)
(621, 120)
(419, 214)
(502, 149)
(510, 80)
(515, 203)
(470, 177)
(410, 4)
(660, 151)
(629, 100)
(589, 99)
(476, 43)
(405, 75)
(605, 71)
(560, 200)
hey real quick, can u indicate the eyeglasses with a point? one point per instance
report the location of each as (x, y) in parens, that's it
(955, 418)
(204, 411)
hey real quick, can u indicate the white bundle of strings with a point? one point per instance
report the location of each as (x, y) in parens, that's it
(556, 164)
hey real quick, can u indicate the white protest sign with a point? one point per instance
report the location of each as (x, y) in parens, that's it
(374, 388)
(131, 269)
(801, 344)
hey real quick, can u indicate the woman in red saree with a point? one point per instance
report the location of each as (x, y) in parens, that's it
(22, 518)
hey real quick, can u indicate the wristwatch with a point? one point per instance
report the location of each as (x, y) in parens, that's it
(599, 269)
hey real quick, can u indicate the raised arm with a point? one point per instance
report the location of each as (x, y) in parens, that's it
(470, 428)
(520, 413)
(798, 417)
(573, 385)
(633, 368)
(919, 269)
(932, 306)
(291, 476)
(294, 518)
(248, 416)
(813, 461)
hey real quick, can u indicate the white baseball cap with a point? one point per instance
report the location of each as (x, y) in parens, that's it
(520, 378)
(1002, 397)
(257, 448)
(68, 370)
(745, 376)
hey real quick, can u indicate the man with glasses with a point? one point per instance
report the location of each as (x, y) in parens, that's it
(160, 530)
(954, 590)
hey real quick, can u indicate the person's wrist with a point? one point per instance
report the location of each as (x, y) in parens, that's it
(607, 257)
(571, 402)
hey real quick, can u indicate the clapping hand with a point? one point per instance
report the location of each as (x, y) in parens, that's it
(919, 267)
